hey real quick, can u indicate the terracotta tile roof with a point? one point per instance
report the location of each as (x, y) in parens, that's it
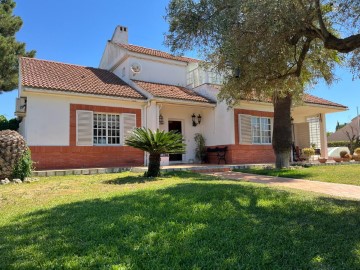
(310, 99)
(320, 101)
(341, 134)
(152, 52)
(72, 78)
(171, 92)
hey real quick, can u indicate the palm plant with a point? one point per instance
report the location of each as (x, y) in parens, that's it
(156, 143)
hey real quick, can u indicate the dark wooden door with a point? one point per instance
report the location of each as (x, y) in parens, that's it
(175, 125)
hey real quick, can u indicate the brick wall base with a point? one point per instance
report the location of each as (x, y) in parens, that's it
(72, 157)
(245, 154)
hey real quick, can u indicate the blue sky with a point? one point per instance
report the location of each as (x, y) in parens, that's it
(76, 32)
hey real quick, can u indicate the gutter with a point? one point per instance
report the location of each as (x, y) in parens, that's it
(66, 93)
(184, 102)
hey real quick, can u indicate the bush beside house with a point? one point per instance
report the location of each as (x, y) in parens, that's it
(15, 158)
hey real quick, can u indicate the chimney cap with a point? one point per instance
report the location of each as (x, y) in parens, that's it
(120, 35)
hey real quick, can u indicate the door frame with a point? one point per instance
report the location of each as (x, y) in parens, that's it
(182, 133)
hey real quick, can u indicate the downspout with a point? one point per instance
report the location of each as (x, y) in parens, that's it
(145, 108)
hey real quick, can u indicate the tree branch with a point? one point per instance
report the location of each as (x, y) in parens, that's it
(300, 61)
(324, 32)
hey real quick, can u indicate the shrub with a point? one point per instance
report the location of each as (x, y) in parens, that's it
(12, 147)
(343, 154)
(200, 151)
(308, 152)
(347, 156)
(338, 144)
(357, 151)
(156, 143)
(24, 166)
(12, 124)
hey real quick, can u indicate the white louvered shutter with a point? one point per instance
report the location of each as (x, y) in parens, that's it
(128, 123)
(84, 128)
(245, 136)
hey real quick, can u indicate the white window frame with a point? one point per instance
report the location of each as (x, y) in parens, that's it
(261, 131)
(107, 130)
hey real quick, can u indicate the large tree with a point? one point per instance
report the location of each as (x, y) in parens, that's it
(10, 49)
(276, 48)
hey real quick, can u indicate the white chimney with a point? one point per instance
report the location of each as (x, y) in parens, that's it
(120, 35)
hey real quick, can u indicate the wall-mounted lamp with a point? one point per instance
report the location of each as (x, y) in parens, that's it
(194, 122)
(161, 119)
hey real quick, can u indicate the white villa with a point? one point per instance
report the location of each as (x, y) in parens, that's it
(77, 117)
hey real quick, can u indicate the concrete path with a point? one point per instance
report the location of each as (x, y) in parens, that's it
(339, 190)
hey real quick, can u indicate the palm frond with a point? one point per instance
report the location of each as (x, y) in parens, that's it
(156, 142)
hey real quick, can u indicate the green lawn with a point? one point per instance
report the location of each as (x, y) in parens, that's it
(181, 221)
(343, 174)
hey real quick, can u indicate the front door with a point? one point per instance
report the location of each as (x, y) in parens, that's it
(176, 126)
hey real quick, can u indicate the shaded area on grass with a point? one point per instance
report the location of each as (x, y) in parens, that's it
(139, 179)
(200, 225)
(342, 174)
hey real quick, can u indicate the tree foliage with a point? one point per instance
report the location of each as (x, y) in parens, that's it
(338, 125)
(10, 49)
(12, 124)
(156, 143)
(280, 47)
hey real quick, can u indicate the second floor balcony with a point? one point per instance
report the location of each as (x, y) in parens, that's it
(199, 76)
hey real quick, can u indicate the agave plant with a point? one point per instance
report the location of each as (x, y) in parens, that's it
(156, 143)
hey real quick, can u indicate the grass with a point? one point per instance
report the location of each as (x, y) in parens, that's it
(181, 221)
(343, 174)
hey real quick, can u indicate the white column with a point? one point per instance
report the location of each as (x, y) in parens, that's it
(323, 136)
(152, 113)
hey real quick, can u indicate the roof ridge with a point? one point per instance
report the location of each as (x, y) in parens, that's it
(183, 89)
(156, 50)
(58, 62)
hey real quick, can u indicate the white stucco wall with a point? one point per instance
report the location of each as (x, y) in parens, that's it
(47, 121)
(112, 54)
(183, 114)
(153, 70)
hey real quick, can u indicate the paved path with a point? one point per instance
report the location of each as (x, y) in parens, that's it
(333, 189)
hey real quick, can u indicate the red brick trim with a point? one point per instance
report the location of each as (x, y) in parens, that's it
(245, 154)
(249, 112)
(103, 109)
(72, 157)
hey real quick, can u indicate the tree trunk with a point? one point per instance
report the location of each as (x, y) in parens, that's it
(282, 135)
(154, 166)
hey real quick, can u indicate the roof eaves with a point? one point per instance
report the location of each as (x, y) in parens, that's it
(77, 93)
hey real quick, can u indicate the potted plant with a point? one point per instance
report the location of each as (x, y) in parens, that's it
(322, 160)
(345, 156)
(308, 152)
(356, 157)
(200, 151)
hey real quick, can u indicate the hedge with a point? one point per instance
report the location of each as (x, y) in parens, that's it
(338, 144)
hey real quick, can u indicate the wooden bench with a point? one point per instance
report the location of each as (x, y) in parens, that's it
(220, 153)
